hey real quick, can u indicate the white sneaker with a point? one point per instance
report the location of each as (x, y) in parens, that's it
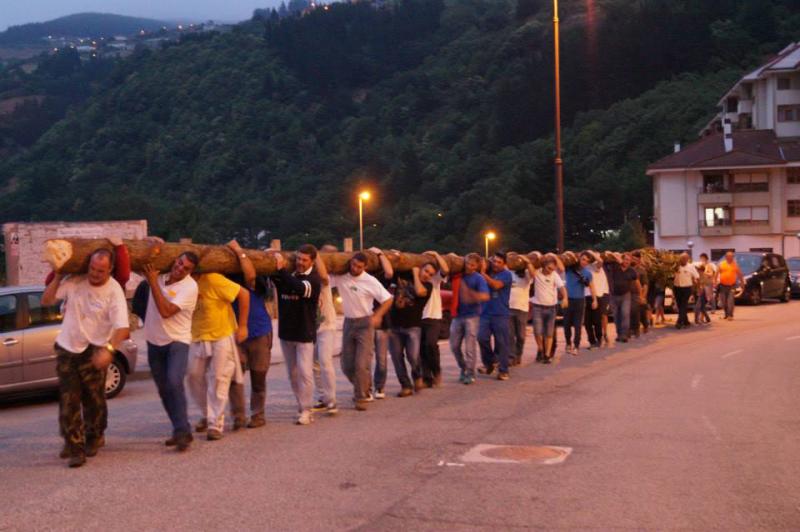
(369, 398)
(380, 394)
(305, 418)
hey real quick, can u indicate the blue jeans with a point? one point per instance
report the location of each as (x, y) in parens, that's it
(544, 320)
(621, 306)
(168, 367)
(465, 329)
(404, 343)
(573, 319)
(727, 299)
(497, 326)
(381, 358)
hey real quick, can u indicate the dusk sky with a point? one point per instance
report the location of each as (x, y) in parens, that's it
(15, 12)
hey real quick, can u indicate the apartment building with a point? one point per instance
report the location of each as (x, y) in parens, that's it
(738, 187)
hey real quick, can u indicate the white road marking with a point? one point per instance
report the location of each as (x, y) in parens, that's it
(441, 463)
(455, 464)
(711, 428)
(794, 338)
(726, 355)
(696, 381)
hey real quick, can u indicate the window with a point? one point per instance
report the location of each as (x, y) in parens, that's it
(717, 254)
(750, 183)
(784, 84)
(751, 215)
(714, 183)
(40, 315)
(716, 216)
(8, 313)
(793, 176)
(789, 113)
(761, 250)
(793, 208)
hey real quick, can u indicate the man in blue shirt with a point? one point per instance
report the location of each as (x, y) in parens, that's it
(495, 318)
(579, 285)
(472, 290)
(256, 351)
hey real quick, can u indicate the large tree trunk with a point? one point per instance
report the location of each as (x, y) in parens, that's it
(71, 255)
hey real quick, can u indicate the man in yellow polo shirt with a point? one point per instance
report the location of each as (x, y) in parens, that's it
(213, 358)
(728, 274)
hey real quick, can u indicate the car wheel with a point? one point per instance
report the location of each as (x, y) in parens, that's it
(755, 296)
(787, 294)
(115, 378)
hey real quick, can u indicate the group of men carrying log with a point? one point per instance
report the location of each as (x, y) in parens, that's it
(208, 329)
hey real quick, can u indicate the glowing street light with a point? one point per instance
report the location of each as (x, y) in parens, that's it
(489, 236)
(362, 197)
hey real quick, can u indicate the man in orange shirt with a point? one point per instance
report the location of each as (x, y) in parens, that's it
(728, 274)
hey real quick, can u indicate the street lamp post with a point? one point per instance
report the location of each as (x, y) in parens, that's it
(559, 163)
(489, 236)
(362, 197)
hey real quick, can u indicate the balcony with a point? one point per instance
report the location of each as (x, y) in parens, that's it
(715, 227)
(745, 106)
(715, 198)
(752, 227)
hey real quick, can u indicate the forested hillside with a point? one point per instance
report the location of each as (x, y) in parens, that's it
(78, 25)
(443, 109)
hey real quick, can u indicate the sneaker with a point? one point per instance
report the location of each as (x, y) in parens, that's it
(201, 425)
(319, 406)
(184, 441)
(502, 376)
(405, 392)
(332, 408)
(419, 385)
(77, 459)
(361, 405)
(304, 418)
(486, 370)
(256, 421)
(461, 377)
(574, 351)
(213, 435)
(380, 394)
(369, 397)
(93, 445)
(172, 441)
(469, 379)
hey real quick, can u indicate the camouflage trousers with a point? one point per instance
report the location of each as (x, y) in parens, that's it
(82, 411)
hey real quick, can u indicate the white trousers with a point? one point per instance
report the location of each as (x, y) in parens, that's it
(212, 366)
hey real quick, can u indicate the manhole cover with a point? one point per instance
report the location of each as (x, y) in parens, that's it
(516, 454)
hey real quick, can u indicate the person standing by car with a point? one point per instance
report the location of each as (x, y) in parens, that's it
(168, 332)
(469, 292)
(430, 359)
(686, 279)
(95, 323)
(728, 275)
(359, 290)
(298, 301)
(256, 351)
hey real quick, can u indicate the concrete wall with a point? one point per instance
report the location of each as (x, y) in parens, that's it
(24, 244)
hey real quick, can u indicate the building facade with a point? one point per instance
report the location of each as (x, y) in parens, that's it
(738, 187)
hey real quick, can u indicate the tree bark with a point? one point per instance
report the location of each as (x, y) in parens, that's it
(71, 255)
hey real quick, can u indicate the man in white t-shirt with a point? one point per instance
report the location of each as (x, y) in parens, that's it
(430, 361)
(168, 332)
(519, 303)
(358, 291)
(95, 324)
(547, 285)
(596, 319)
(324, 372)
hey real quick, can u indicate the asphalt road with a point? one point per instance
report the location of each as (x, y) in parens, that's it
(696, 429)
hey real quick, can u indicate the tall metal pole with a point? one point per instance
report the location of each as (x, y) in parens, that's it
(361, 222)
(486, 240)
(559, 164)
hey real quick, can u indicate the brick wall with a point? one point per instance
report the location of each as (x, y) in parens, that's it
(24, 245)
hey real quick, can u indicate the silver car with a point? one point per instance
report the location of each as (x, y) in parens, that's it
(28, 331)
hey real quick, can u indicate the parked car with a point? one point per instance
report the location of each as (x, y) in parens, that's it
(766, 275)
(28, 331)
(793, 264)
